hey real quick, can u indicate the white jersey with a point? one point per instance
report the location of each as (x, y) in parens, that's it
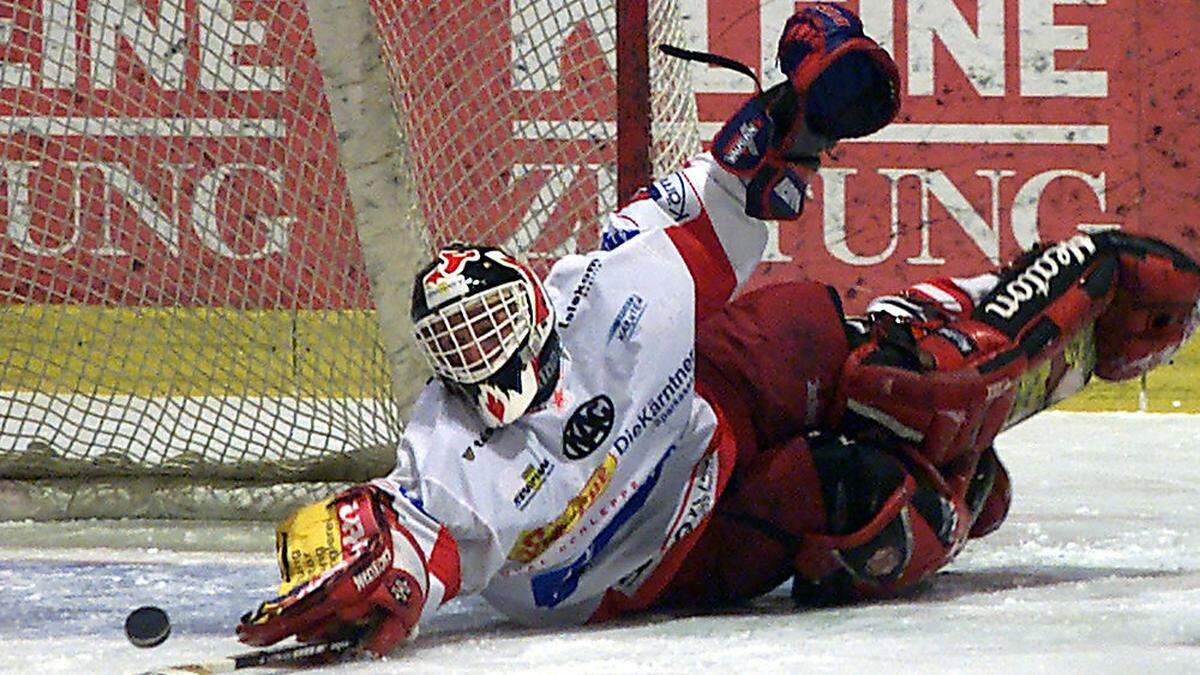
(588, 492)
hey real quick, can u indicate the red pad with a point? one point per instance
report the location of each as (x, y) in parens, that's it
(1155, 310)
(773, 355)
(772, 523)
(948, 387)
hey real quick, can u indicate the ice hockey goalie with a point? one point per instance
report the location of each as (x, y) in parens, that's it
(629, 432)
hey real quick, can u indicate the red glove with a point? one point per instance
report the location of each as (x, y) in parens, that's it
(369, 576)
(841, 84)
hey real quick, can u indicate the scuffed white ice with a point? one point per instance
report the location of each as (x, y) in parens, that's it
(1096, 570)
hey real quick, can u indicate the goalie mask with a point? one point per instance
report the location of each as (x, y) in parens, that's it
(486, 328)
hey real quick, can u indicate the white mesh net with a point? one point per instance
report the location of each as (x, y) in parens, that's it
(511, 115)
(187, 325)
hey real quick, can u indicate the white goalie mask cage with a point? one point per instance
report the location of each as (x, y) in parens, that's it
(483, 322)
(469, 340)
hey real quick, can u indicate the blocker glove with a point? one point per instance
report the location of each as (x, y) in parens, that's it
(350, 569)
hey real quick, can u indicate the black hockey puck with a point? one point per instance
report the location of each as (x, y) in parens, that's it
(147, 627)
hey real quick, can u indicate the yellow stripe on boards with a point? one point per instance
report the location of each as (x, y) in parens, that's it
(1171, 388)
(322, 353)
(194, 351)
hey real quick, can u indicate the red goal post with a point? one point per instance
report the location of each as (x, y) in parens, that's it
(213, 208)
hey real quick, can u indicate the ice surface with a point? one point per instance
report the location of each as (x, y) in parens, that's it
(1096, 570)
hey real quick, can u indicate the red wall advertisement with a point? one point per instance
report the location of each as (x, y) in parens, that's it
(181, 151)
(1021, 121)
(170, 152)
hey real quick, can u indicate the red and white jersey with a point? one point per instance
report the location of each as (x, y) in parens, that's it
(587, 493)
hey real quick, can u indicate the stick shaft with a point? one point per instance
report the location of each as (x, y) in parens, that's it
(281, 656)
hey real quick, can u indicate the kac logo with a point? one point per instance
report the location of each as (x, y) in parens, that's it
(588, 427)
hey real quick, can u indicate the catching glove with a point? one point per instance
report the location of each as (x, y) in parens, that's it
(841, 84)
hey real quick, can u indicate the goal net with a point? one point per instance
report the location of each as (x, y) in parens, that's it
(213, 210)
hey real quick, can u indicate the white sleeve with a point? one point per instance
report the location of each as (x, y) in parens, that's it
(449, 509)
(441, 551)
(701, 208)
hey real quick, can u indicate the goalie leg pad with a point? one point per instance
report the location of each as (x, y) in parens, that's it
(847, 519)
(947, 387)
(989, 495)
(746, 548)
(1155, 310)
(891, 521)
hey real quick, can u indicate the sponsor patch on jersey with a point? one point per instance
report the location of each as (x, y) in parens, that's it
(588, 427)
(625, 325)
(615, 234)
(469, 452)
(696, 502)
(552, 587)
(675, 391)
(400, 591)
(532, 543)
(533, 477)
(675, 197)
(580, 292)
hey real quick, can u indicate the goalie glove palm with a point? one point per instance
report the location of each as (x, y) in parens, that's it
(349, 569)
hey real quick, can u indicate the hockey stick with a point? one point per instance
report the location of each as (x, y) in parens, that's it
(284, 656)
